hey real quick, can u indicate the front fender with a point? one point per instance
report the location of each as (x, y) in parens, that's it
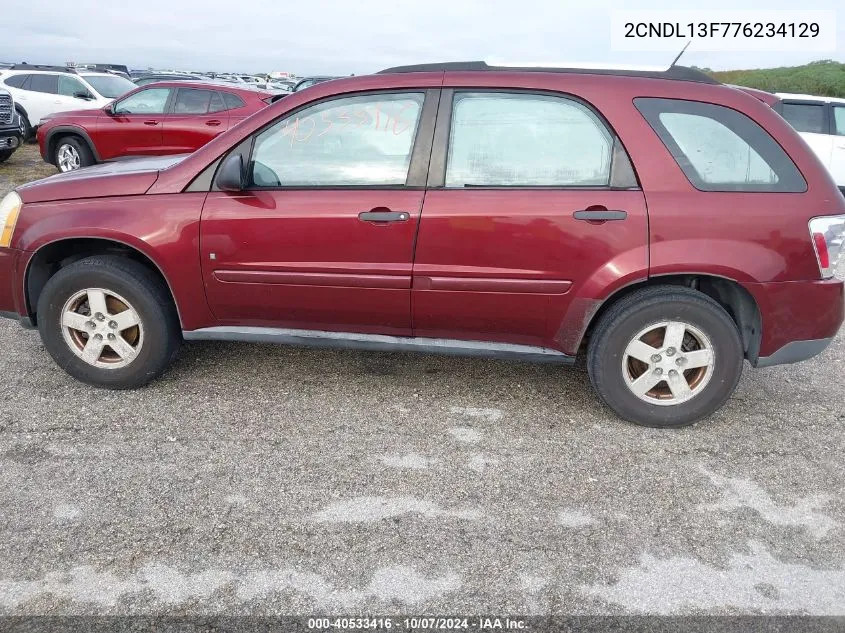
(164, 229)
(60, 130)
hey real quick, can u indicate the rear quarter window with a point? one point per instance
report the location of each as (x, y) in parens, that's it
(720, 149)
(16, 81)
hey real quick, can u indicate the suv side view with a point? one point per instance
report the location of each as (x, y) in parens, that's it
(821, 122)
(42, 90)
(668, 226)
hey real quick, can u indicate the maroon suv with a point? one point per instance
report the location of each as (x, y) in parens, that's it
(174, 117)
(668, 225)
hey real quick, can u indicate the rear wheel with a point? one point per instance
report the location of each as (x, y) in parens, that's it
(665, 356)
(109, 321)
(72, 153)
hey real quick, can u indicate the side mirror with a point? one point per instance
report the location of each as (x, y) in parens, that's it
(109, 109)
(230, 176)
(83, 95)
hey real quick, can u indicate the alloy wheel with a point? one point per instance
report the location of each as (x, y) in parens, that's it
(668, 363)
(102, 328)
(67, 157)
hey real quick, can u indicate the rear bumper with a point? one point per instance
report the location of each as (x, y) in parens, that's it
(795, 352)
(799, 319)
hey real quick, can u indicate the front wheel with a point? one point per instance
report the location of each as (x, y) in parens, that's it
(109, 321)
(6, 154)
(72, 153)
(665, 356)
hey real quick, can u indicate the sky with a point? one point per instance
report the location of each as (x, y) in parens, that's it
(338, 37)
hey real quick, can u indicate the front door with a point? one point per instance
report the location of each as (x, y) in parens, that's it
(323, 236)
(533, 197)
(134, 126)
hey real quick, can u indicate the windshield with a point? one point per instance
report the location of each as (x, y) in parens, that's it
(110, 86)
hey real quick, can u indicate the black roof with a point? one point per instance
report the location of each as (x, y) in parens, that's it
(55, 69)
(680, 73)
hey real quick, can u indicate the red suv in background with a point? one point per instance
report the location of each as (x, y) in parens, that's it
(162, 118)
(669, 226)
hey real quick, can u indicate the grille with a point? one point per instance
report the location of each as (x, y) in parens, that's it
(6, 109)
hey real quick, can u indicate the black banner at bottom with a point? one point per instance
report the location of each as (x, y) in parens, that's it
(423, 624)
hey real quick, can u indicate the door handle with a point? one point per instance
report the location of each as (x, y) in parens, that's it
(213, 123)
(150, 122)
(384, 216)
(599, 215)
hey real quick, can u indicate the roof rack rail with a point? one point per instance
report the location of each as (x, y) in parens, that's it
(678, 73)
(55, 69)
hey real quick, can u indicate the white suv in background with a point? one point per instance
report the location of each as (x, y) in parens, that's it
(821, 122)
(42, 90)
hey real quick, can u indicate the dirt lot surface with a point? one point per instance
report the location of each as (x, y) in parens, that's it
(260, 479)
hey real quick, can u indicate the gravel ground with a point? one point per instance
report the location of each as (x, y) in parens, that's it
(268, 480)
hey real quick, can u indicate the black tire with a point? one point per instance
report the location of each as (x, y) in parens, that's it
(86, 156)
(146, 293)
(6, 154)
(26, 128)
(634, 313)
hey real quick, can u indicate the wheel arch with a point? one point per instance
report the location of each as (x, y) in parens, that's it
(61, 131)
(49, 258)
(727, 292)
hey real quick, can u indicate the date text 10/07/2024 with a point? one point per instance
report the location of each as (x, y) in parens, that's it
(480, 623)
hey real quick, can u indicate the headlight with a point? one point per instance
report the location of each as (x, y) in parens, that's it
(9, 209)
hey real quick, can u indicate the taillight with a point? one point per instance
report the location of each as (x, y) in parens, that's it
(827, 233)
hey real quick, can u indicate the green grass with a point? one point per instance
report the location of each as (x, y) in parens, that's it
(825, 77)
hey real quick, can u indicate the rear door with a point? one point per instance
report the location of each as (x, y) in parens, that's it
(530, 196)
(134, 127)
(42, 96)
(196, 117)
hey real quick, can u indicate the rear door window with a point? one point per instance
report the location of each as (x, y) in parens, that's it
(720, 149)
(216, 104)
(192, 101)
(44, 83)
(503, 139)
(806, 117)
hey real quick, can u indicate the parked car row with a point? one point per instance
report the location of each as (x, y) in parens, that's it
(667, 226)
